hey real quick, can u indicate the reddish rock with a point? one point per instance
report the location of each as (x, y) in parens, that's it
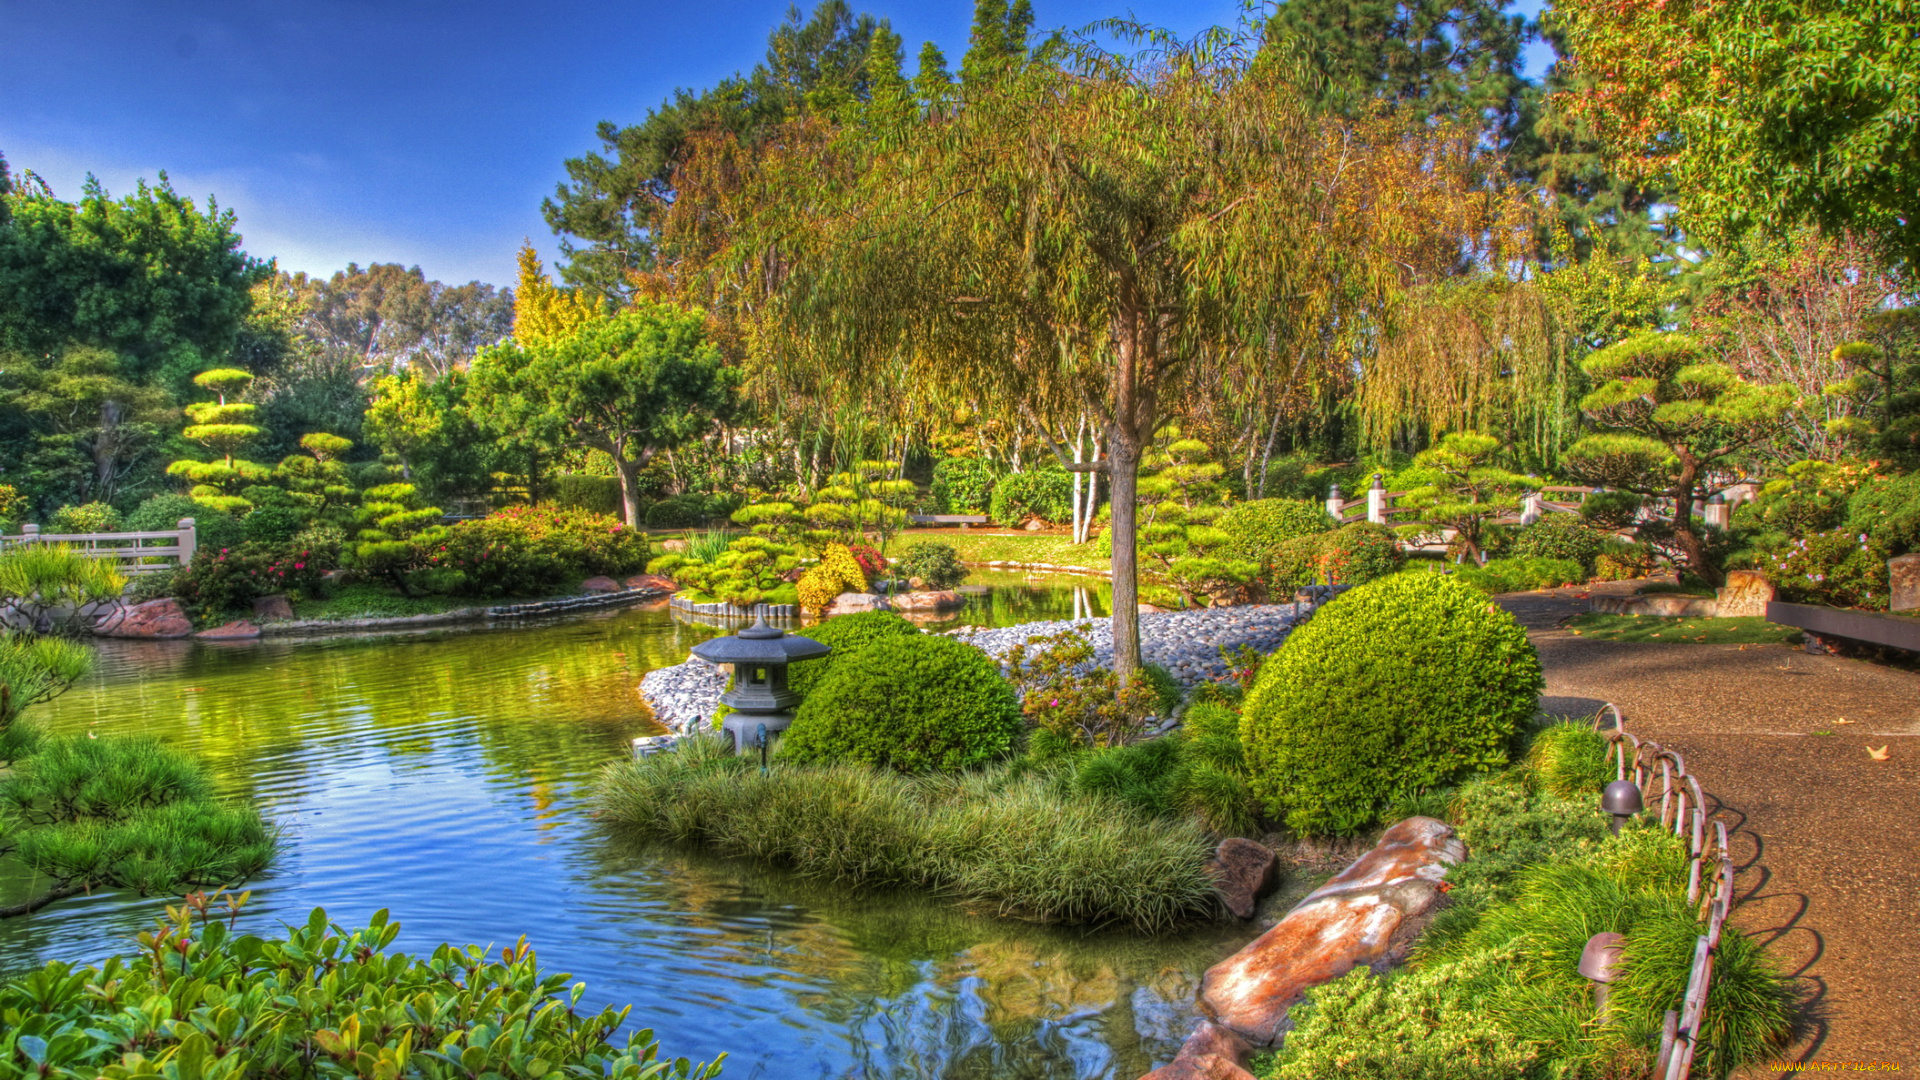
(1347, 922)
(273, 607)
(600, 585)
(237, 630)
(652, 583)
(153, 619)
(937, 600)
(1151, 609)
(1243, 872)
(1210, 1053)
(1904, 574)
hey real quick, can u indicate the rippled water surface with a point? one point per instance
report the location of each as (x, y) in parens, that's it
(443, 776)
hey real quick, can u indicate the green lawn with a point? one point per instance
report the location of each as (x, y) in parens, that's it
(1748, 630)
(989, 545)
(367, 600)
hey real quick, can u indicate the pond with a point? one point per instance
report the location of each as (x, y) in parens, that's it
(444, 775)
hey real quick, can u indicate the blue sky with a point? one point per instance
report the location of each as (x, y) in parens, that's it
(392, 130)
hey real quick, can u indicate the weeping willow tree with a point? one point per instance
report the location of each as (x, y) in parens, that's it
(1477, 353)
(1090, 232)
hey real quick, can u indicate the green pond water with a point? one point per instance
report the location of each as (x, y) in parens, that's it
(443, 776)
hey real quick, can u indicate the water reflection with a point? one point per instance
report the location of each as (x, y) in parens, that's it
(443, 776)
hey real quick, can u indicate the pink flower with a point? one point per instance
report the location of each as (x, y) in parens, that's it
(299, 566)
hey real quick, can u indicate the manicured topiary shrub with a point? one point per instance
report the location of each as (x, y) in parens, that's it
(1561, 536)
(1259, 530)
(679, 512)
(847, 634)
(273, 524)
(1046, 494)
(93, 517)
(1394, 688)
(914, 704)
(962, 486)
(1519, 575)
(212, 527)
(937, 565)
(1358, 553)
(838, 571)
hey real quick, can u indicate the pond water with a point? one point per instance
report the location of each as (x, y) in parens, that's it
(443, 776)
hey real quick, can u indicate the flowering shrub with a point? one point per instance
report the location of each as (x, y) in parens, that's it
(225, 579)
(591, 544)
(871, 562)
(491, 557)
(1062, 692)
(1358, 553)
(1839, 568)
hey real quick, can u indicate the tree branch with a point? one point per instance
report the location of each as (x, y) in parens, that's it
(61, 892)
(1060, 452)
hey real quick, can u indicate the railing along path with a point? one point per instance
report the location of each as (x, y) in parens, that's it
(1709, 877)
(136, 552)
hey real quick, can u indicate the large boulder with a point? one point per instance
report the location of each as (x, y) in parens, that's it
(600, 585)
(852, 603)
(1904, 573)
(1349, 921)
(652, 583)
(276, 606)
(928, 600)
(237, 630)
(161, 618)
(1745, 593)
(1210, 1053)
(1243, 871)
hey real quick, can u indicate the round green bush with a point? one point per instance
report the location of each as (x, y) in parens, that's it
(1361, 552)
(937, 565)
(679, 512)
(93, 517)
(962, 485)
(1561, 536)
(212, 527)
(1393, 689)
(272, 524)
(1045, 493)
(1260, 529)
(914, 704)
(847, 634)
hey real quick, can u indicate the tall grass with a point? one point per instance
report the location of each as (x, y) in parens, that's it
(1012, 841)
(706, 546)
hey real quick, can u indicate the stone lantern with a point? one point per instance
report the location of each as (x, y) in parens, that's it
(760, 696)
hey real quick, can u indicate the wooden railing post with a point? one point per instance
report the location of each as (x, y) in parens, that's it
(29, 533)
(1377, 500)
(1530, 508)
(187, 541)
(1336, 503)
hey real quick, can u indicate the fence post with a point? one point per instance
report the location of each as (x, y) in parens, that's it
(1530, 509)
(187, 541)
(1336, 504)
(1377, 500)
(1717, 513)
(29, 533)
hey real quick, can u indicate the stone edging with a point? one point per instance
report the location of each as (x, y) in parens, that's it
(560, 606)
(735, 611)
(1081, 571)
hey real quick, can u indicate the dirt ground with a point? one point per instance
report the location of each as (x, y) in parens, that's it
(1825, 836)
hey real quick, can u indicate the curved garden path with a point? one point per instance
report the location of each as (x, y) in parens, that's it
(1828, 839)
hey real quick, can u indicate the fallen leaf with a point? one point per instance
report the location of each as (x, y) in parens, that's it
(1880, 754)
(1843, 720)
(1656, 633)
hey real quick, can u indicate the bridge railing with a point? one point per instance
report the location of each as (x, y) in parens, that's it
(135, 552)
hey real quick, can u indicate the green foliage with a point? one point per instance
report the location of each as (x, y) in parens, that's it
(493, 558)
(1046, 494)
(12, 505)
(1887, 510)
(1811, 498)
(586, 543)
(914, 704)
(1016, 843)
(596, 494)
(1839, 568)
(92, 517)
(273, 524)
(678, 512)
(1263, 530)
(1460, 488)
(1520, 574)
(212, 526)
(1080, 704)
(846, 634)
(231, 579)
(128, 812)
(363, 1011)
(751, 569)
(36, 579)
(1611, 510)
(36, 668)
(1569, 761)
(1397, 687)
(1183, 500)
(937, 565)
(1358, 553)
(963, 485)
(837, 572)
(1561, 536)
(1170, 777)
(1744, 630)
(397, 534)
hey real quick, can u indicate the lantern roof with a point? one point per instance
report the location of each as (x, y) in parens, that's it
(760, 644)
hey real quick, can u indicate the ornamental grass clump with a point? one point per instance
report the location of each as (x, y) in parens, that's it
(361, 1011)
(1401, 686)
(987, 837)
(914, 704)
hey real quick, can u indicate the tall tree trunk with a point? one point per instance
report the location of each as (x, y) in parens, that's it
(629, 488)
(1691, 545)
(1132, 426)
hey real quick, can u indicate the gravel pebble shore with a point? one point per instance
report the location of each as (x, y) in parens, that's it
(1187, 643)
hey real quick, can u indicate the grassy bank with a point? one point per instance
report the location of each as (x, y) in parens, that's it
(1744, 630)
(993, 838)
(1000, 545)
